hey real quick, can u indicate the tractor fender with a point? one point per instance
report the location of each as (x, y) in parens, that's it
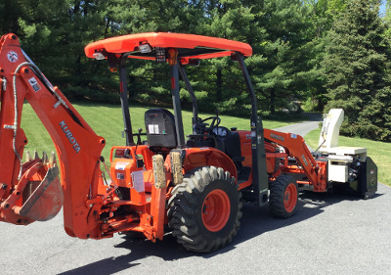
(208, 156)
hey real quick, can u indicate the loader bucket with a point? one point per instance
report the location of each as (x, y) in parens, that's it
(45, 201)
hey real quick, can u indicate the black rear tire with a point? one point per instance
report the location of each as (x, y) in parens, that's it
(283, 196)
(188, 213)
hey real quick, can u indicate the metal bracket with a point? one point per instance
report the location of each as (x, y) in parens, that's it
(9, 127)
(4, 86)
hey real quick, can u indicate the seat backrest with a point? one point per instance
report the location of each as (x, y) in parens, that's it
(232, 147)
(160, 126)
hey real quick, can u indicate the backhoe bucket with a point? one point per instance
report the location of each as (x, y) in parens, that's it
(46, 200)
(37, 196)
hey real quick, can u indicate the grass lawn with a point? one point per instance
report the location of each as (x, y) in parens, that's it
(106, 120)
(380, 152)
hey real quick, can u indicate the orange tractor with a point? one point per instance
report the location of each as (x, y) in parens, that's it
(162, 182)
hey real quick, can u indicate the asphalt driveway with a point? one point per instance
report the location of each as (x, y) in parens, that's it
(330, 234)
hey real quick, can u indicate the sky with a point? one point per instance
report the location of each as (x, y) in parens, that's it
(383, 8)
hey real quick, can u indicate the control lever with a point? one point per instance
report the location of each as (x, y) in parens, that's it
(139, 136)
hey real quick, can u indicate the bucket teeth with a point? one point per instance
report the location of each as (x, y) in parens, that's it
(52, 158)
(28, 156)
(36, 156)
(45, 158)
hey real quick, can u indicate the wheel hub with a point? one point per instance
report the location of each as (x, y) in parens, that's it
(216, 210)
(290, 197)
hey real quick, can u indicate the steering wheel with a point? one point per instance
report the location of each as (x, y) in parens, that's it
(215, 122)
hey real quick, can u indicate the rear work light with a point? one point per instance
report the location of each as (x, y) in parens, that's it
(99, 56)
(145, 48)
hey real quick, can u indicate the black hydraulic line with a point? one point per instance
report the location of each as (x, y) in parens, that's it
(192, 95)
(174, 68)
(123, 76)
(260, 177)
(50, 87)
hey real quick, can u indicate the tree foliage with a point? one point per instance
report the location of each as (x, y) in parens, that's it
(356, 72)
(305, 52)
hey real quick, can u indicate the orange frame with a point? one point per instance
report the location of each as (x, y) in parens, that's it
(130, 44)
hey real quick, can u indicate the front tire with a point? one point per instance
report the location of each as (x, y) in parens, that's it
(204, 210)
(283, 196)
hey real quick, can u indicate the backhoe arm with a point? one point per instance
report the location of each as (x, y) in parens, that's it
(77, 146)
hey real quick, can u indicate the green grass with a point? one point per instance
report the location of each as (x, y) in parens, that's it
(380, 152)
(106, 120)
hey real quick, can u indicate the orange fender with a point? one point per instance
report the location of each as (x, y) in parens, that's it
(208, 156)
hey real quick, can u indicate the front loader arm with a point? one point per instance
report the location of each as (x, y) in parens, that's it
(77, 146)
(295, 147)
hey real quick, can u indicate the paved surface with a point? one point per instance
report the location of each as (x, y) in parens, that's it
(300, 128)
(304, 127)
(334, 234)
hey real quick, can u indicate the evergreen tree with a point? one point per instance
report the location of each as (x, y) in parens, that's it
(319, 20)
(53, 33)
(286, 36)
(335, 7)
(149, 83)
(283, 49)
(230, 19)
(9, 11)
(355, 68)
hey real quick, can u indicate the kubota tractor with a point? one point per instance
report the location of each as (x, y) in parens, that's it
(163, 182)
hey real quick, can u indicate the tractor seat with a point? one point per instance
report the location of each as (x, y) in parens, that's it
(232, 148)
(160, 127)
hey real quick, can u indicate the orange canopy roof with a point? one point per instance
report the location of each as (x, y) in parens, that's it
(190, 46)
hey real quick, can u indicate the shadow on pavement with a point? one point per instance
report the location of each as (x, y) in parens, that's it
(255, 222)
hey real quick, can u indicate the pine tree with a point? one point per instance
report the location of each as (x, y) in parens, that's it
(283, 49)
(149, 82)
(9, 11)
(319, 19)
(233, 19)
(355, 71)
(53, 33)
(286, 36)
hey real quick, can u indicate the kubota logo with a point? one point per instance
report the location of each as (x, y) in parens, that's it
(70, 137)
(12, 56)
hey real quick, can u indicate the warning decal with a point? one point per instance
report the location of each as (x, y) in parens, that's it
(153, 129)
(34, 84)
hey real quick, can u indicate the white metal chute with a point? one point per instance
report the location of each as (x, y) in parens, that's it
(340, 159)
(330, 130)
(328, 139)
